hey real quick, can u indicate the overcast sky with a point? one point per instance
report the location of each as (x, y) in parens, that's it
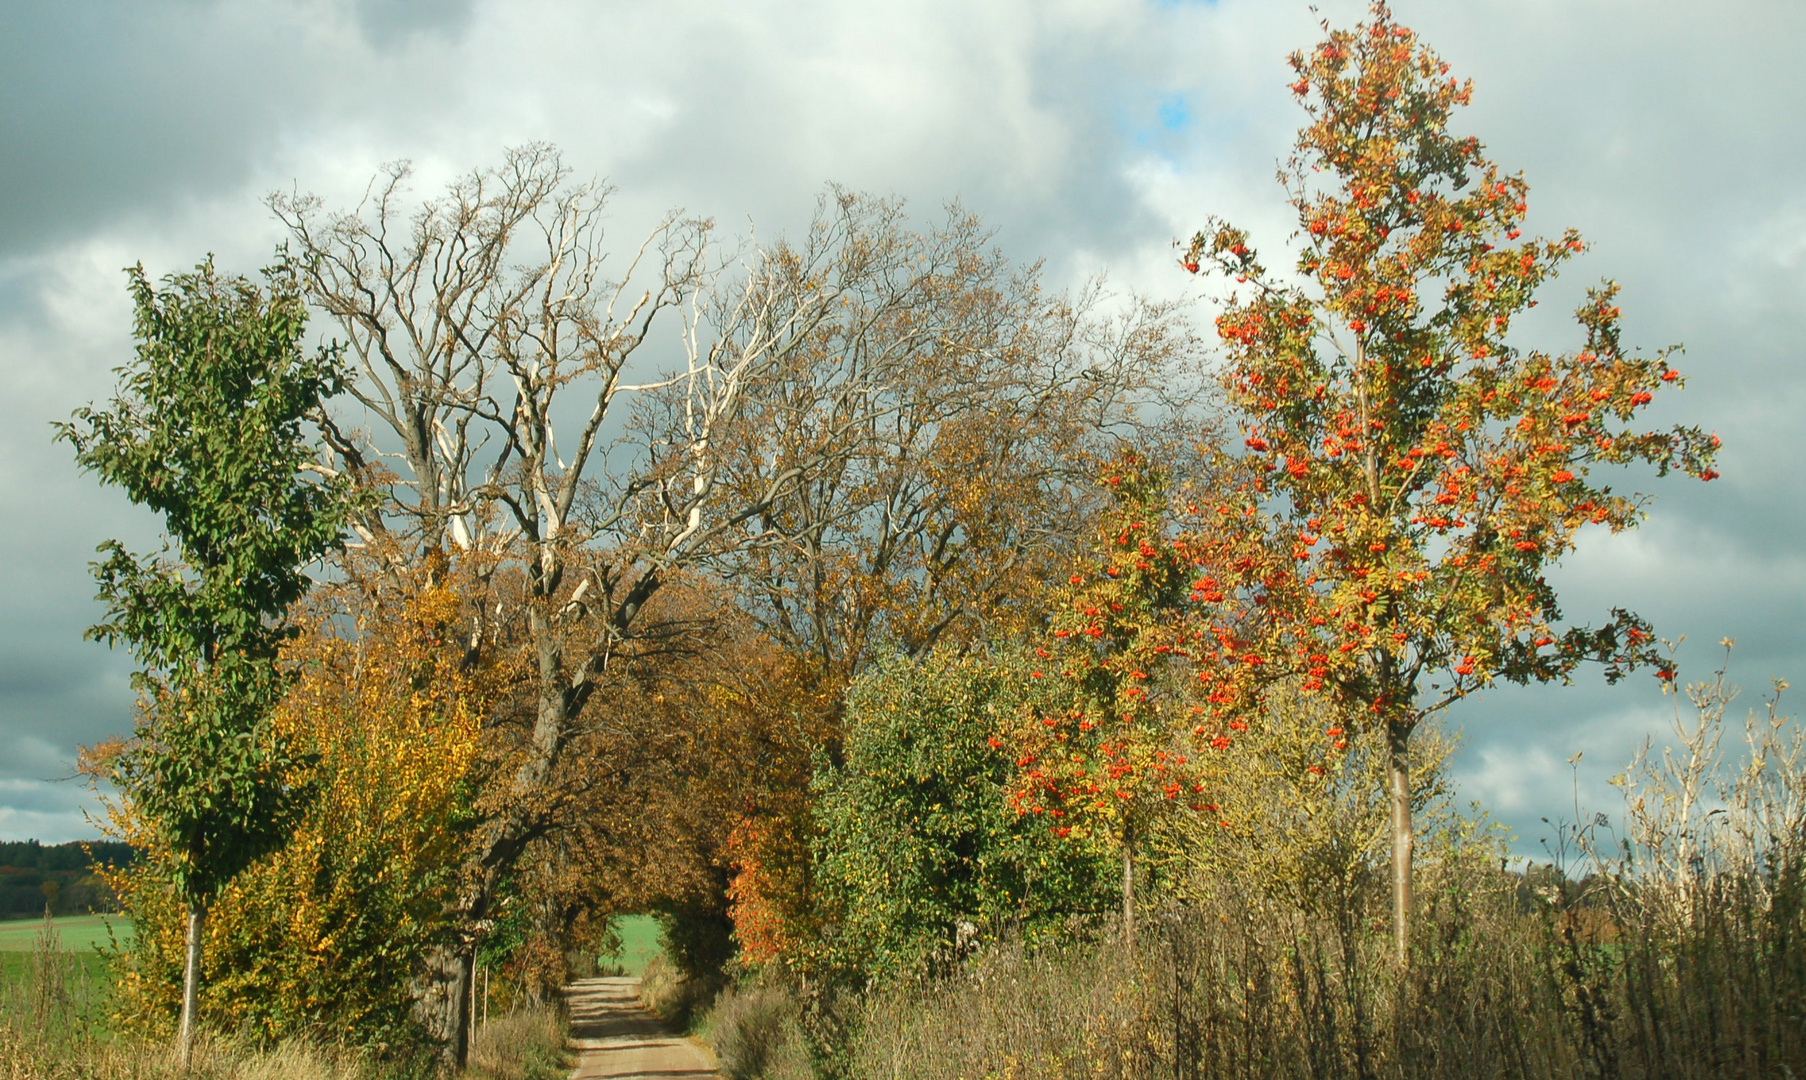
(1090, 133)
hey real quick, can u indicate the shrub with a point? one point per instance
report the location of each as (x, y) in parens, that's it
(673, 995)
(918, 854)
(329, 933)
(526, 1045)
(53, 1027)
(1681, 953)
(754, 1030)
(1298, 805)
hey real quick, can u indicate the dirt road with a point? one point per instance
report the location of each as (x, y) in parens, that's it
(616, 1037)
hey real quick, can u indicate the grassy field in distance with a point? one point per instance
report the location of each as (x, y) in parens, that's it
(80, 932)
(639, 943)
(13, 966)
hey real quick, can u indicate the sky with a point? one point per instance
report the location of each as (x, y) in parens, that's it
(1088, 133)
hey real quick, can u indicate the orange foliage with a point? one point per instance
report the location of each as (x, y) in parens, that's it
(767, 859)
(1411, 473)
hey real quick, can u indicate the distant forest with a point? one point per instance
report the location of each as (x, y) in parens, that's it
(60, 876)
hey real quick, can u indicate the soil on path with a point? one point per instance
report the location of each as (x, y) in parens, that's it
(615, 1036)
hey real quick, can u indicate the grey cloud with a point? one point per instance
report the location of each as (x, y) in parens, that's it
(117, 110)
(53, 811)
(1015, 115)
(388, 22)
(31, 669)
(121, 107)
(40, 797)
(1663, 132)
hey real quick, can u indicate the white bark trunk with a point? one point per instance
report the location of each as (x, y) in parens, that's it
(1398, 780)
(1128, 887)
(191, 985)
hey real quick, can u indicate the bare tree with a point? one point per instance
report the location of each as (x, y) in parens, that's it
(416, 295)
(965, 420)
(506, 365)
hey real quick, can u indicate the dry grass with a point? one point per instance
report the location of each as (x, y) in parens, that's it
(527, 1045)
(1672, 945)
(673, 996)
(1243, 989)
(755, 1031)
(25, 1058)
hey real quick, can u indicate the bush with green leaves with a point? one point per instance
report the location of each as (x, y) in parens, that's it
(918, 856)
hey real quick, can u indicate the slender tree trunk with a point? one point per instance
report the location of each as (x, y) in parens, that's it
(1128, 886)
(1398, 782)
(191, 984)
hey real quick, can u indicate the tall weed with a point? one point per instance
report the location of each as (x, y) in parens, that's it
(755, 1030)
(525, 1045)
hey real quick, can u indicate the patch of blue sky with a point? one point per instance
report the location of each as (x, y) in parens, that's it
(1173, 128)
(1175, 115)
(1161, 129)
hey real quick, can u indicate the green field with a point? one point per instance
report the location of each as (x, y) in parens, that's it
(92, 966)
(83, 974)
(80, 933)
(639, 944)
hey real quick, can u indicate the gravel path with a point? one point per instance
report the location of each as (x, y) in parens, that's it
(616, 1037)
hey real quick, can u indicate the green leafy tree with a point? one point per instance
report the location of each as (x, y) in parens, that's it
(918, 851)
(1422, 471)
(208, 429)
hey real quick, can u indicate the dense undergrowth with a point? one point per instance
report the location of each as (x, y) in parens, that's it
(1504, 984)
(1671, 943)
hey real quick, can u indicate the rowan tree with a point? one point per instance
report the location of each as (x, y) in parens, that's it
(1423, 471)
(1108, 752)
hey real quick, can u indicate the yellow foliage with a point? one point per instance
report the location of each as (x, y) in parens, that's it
(1297, 807)
(332, 927)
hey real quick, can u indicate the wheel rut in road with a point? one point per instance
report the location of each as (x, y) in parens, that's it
(616, 1037)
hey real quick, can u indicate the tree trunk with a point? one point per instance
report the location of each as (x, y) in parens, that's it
(191, 984)
(1398, 782)
(1128, 886)
(444, 996)
(467, 969)
(443, 1002)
